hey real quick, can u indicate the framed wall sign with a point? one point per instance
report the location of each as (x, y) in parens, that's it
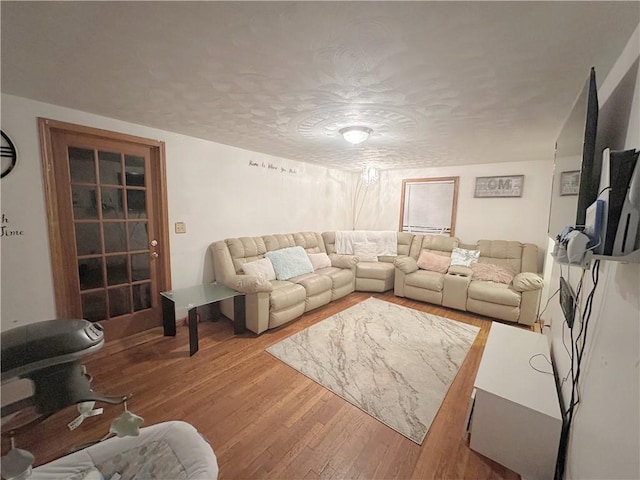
(570, 182)
(506, 186)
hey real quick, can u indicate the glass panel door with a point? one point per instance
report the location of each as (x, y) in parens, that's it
(106, 204)
(110, 221)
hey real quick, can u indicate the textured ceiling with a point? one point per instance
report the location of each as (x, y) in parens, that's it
(440, 83)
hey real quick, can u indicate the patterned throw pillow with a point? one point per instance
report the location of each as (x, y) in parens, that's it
(466, 258)
(492, 273)
(433, 262)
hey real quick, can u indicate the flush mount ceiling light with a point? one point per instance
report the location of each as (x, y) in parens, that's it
(355, 135)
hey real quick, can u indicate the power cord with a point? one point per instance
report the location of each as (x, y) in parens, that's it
(578, 346)
(537, 369)
(539, 319)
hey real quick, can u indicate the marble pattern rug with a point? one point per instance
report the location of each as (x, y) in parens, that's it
(393, 362)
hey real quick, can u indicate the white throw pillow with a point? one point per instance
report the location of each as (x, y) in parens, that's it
(290, 262)
(466, 258)
(262, 268)
(366, 252)
(319, 260)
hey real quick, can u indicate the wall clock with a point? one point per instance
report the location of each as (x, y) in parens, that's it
(8, 155)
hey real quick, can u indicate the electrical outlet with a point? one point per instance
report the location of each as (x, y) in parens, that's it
(181, 227)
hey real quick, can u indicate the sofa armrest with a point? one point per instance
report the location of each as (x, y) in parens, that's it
(460, 270)
(527, 281)
(406, 264)
(343, 261)
(249, 284)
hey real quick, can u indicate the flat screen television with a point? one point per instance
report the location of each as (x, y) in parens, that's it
(576, 176)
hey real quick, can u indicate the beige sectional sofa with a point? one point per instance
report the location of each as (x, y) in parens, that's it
(512, 300)
(271, 302)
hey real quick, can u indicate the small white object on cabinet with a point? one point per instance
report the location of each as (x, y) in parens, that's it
(516, 418)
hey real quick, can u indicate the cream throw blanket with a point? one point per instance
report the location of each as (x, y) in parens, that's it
(386, 241)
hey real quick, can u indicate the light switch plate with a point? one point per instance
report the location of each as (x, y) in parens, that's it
(181, 227)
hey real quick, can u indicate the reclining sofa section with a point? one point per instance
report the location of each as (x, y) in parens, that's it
(514, 299)
(272, 302)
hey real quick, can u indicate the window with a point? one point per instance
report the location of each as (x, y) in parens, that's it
(428, 205)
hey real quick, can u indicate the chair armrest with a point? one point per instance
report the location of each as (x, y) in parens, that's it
(406, 264)
(343, 261)
(460, 270)
(527, 281)
(249, 284)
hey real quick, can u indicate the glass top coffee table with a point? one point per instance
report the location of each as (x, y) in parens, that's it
(198, 296)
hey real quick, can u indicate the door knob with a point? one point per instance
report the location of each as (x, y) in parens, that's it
(154, 254)
(153, 243)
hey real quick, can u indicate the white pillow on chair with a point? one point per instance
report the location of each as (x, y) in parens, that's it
(319, 260)
(262, 268)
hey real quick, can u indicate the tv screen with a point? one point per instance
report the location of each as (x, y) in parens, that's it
(576, 175)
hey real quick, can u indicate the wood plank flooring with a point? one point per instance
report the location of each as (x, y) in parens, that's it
(264, 419)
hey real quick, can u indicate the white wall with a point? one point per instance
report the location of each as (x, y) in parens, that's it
(524, 218)
(605, 438)
(211, 188)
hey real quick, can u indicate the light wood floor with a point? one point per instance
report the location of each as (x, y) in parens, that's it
(264, 419)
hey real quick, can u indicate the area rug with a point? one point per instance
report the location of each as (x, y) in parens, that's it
(393, 362)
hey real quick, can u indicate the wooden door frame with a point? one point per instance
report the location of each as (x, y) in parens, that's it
(62, 290)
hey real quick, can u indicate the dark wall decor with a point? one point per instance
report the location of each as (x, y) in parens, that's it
(8, 154)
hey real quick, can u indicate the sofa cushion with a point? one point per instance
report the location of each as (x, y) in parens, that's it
(525, 281)
(365, 252)
(375, 270)
(286, 294)
(289, 262)
(313, 283)
(464, 257)
(434, 243)
(260, 268)
(492, 273)
(433, 262)
(425, 279)
(339, 276)
(245, 249)
(503, 252)
(493, 293)
(319, 260)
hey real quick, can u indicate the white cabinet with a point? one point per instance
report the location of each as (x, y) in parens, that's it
(516, 417)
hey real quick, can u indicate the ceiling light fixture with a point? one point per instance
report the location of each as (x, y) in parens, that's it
(355, 134)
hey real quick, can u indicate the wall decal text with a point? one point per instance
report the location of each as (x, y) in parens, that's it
(272, 166)
(5, 230)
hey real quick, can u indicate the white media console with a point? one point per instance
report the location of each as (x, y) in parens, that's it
(515, 416)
